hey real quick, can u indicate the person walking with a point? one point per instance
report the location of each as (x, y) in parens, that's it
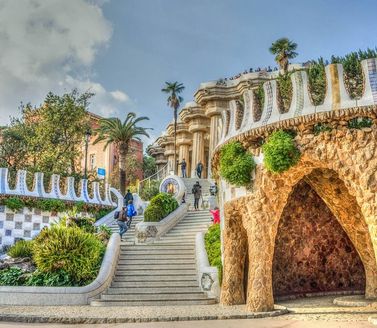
(215, 215)
(131, 212)
(121, 218)
(128, 197)
(197, 191)
(199, 169)
(183, 165)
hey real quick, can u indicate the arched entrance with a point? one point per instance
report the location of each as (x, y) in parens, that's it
(313, 253)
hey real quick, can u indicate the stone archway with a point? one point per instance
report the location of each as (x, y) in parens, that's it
(343, 160)
(313, 253)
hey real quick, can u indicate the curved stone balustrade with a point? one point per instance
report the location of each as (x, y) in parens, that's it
(336, 98)
(38, 190)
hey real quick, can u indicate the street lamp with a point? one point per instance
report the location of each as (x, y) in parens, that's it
(88, 134)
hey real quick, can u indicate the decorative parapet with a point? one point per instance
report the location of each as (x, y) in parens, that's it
(336, 99)
(208, 277)
(38, 190)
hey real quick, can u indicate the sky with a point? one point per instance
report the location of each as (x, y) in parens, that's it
(124, 50)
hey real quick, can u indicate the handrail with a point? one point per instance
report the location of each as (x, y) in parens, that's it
(163, 170)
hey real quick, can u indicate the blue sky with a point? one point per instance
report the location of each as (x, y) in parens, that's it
(139, 44)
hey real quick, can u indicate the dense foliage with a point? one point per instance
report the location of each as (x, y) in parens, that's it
(285, 91)
(149, 166)
(236, 164)
(16, 203)
(212, 241)
(70, 249)
(160, 207)
(317, 81)
(360, 122)
(280, 152)
(22, 248)
(258, 101)
(150, 189)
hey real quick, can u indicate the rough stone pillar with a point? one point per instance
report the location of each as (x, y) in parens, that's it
(184, 153)
(235, 250)
(197, 152)
(184, 140)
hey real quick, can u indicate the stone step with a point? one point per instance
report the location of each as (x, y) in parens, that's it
(158, 266)
(154, 297)
(154, 284)
(156, 278)
(147, 273)
(160, 247)
(157, 252)
(157, 257)
(153, 290)
(182, 233)
(153, 261)
(152, 303)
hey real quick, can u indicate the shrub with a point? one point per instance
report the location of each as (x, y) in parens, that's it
(101, 213)
(86, 224)
(212, 241)
(360, 122)
(160, 207)
(236, 164)
(11, 277)
(14, 203)
(103, 233)
(317, 81)
(321, 127)
(285, 91)
(280, 152)
(52, 205)
(22, 248)
(69, 249)
(148, 191)
(56, 279)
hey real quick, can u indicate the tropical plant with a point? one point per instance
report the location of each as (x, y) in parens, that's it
(285, 91)
(283, 49)
(321, 127)
(258, 100)
(317, 81)
(236, 164)
(174, 101)
(12, 276)
(22, 248)
(70, 249)
(113, 131)
(14, 203)
(280, 152)
(160, 207)
(57, 279)
(212, 241)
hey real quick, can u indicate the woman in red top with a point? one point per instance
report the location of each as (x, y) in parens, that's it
(215, 215)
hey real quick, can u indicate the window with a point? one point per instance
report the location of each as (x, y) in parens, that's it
(92, 161)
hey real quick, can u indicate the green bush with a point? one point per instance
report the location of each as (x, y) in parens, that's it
(317, 81)
(285, 91)
(103, 233)
(360, 122)
(52, 205)
(13, 276)
(212, 241)
(56, 279)
(148, 191)
(236, 164)
(86, 224)
(101, 213)
(160, 207)
(70, 249)
(280, 152)
(22, 248)
(14, 203)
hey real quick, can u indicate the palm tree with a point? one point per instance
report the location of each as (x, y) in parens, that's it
(113, 131)
(174, 101)
(284, 49)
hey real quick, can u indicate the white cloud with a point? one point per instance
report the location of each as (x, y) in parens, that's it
(51, 46)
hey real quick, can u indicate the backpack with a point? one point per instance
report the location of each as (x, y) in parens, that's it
(122, 216)
(116, 215)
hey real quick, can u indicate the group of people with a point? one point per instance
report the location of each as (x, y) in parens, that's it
(198, 169)
(269, 69)
(125, 215)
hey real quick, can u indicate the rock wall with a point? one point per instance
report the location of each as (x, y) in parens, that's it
(312, 251)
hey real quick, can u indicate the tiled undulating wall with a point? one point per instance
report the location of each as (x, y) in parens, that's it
(24, 224)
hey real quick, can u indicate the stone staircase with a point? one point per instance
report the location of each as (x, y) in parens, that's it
(162, 273)
(189, 183)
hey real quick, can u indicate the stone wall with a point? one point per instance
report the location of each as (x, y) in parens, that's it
(312, 251)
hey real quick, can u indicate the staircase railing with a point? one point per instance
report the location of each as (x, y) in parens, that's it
(159, 175)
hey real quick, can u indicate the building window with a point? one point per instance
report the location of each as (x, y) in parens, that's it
(92, 161)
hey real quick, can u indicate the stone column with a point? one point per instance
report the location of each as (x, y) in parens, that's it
(197, 151)
(184, 140)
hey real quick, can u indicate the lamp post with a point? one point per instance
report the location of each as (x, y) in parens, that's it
(88, 134)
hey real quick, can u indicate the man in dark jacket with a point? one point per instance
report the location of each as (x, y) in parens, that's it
(128, 197)
(199, 170)
(183, 165)
(197, 191)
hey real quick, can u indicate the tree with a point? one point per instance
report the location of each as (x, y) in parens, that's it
(112, 130)
(174, 101)
(284, 49)
(149, 166)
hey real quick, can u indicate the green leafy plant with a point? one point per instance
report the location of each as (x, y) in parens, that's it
(285, 91)
(12, 276)
(52, 205)
(258, 100)
(56, 279)
(14, 203)
(213, 247)
(22, 248)
(280, 152)
(70, 249)
(321, 127)
(160, 207)
(317, 81)
(360, 122)
(236, 164)
(103, 232)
